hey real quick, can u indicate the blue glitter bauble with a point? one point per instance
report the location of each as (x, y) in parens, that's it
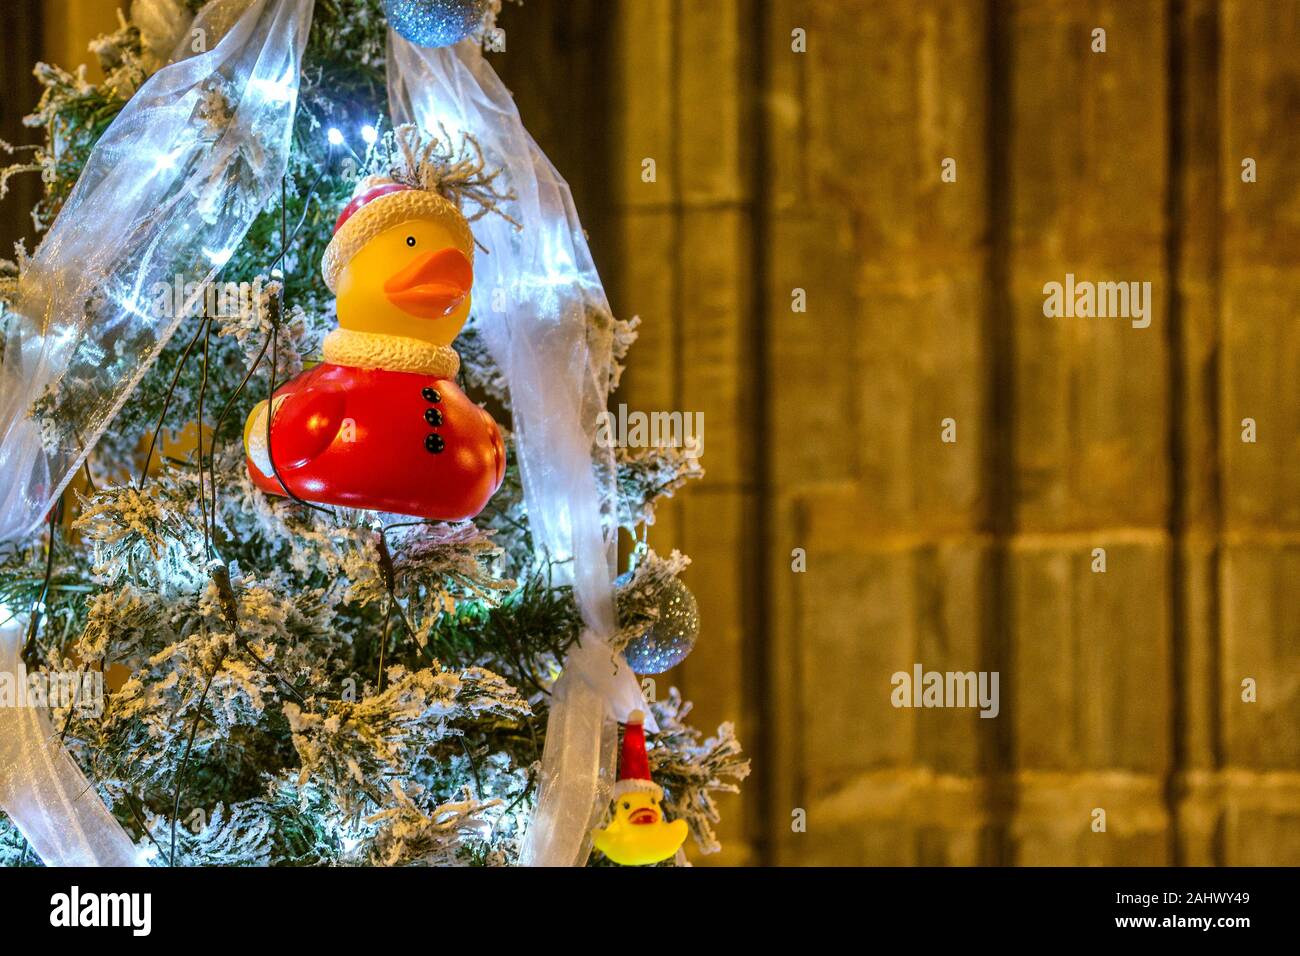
(671, 638)
(435, 22)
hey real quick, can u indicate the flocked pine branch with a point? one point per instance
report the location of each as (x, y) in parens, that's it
(692, 770)
(352, 747)
(457, 170)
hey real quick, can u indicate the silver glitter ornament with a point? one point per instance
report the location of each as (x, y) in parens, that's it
(672, 637)
(435, 22)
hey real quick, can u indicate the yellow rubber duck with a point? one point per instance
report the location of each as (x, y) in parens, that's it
(381, 424)
(638, 835)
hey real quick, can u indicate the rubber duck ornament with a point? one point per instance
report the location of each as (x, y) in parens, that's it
(380, 424)
(638, 834)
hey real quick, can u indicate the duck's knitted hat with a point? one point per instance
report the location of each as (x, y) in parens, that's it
(379, 203)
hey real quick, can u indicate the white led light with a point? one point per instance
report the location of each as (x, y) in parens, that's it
(335, 136)
(369, 134)
(275, 91)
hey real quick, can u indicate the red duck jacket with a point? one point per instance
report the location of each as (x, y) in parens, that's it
(402, 442)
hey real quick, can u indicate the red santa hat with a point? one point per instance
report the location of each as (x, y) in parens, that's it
(379, 203)
(633, 765)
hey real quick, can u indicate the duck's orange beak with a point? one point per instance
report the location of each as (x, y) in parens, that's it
(432, 285)
(643, 816)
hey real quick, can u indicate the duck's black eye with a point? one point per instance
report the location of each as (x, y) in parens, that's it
(626, 805)
(410, 240)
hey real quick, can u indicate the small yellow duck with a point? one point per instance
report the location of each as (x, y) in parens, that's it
(638, 835)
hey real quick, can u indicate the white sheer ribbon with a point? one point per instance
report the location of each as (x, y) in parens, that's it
(170, 188)
(557, 370)
(42, 789)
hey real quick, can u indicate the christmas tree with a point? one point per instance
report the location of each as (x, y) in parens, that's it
(263, 679)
